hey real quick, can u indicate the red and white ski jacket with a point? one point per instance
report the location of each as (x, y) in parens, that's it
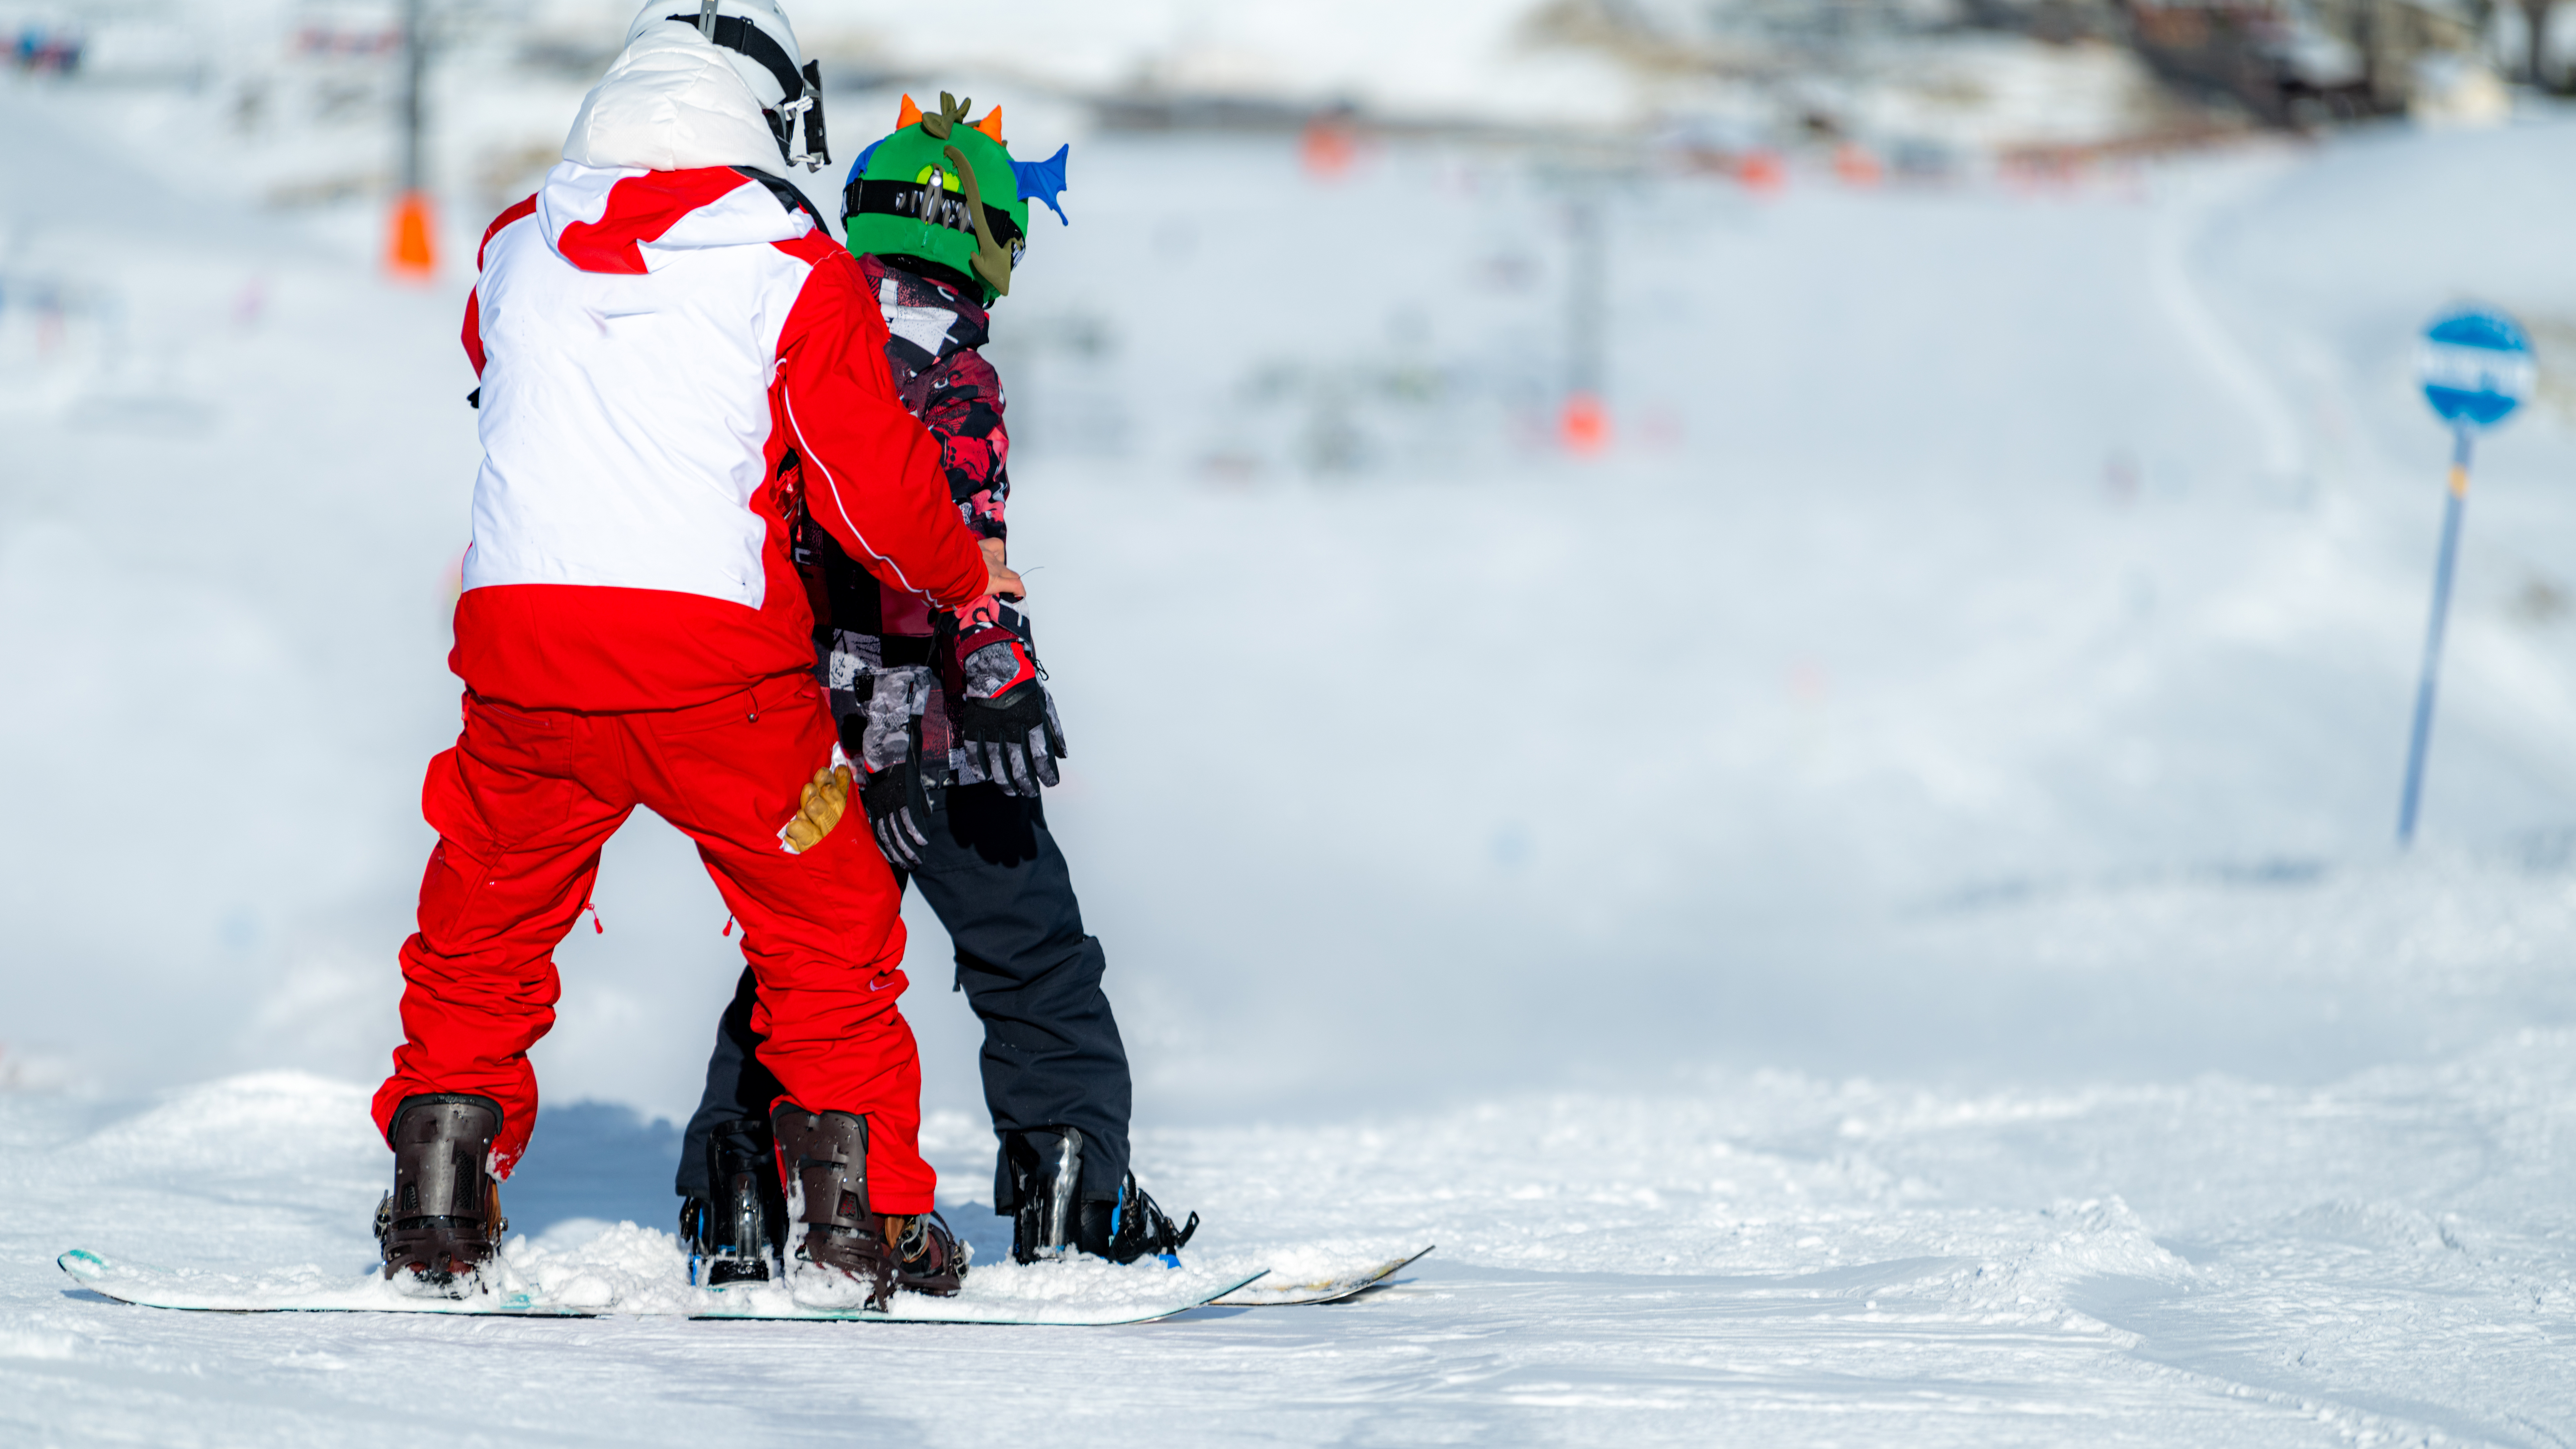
(668, 357)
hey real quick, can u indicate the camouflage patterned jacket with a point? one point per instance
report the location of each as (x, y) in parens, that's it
(860, 626)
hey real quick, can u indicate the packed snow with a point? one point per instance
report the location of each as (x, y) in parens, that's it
(1864, 912)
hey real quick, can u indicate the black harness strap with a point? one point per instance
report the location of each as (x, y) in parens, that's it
(787, 194)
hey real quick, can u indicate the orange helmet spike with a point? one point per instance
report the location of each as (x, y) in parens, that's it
(991, 125)
(910, 115)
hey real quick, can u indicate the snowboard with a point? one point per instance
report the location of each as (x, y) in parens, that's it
(1088, 1296)
(1332, 1289)
(301, 1290)
(1075, 1309)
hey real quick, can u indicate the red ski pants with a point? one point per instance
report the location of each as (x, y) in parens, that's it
(523, 804)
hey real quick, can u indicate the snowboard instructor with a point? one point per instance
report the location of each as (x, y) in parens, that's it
(673, 355)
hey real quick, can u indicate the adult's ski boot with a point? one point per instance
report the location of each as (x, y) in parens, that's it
(1049, 1219)
(442, 1221)
(841, 1249)
(735, 1237)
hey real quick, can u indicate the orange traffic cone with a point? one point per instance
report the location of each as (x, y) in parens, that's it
(1762, 172)
(1328, 148)
(415, 256)
(1584, 425)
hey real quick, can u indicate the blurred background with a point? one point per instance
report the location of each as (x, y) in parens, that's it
(1579, 544)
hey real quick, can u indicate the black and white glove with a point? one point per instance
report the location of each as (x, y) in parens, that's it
(1006, 724)
(885, 738)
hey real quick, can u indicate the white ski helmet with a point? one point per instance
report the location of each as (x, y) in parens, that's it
(761, 46)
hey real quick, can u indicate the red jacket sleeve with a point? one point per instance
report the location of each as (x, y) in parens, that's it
(872, 474)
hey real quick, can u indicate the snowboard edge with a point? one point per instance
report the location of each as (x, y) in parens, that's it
(1329, 1290)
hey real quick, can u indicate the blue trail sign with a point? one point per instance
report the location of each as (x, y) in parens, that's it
(2476, 367)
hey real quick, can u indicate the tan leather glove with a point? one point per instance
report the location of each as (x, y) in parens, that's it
(824, 801)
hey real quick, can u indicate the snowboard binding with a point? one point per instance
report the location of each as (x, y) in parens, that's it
(1050, 1219)
(1133, 1227)
(843, 1246)
(736, 1236)
(442, 1222)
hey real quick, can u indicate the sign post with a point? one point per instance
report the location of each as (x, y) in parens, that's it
(2476, 368)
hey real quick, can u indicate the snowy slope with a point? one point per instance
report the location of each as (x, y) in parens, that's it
(1770, 1259)
(1864, 912)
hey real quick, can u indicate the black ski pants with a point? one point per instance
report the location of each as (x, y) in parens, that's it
(1052, 1057)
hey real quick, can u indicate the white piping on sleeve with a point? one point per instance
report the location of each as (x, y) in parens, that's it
(806, 450)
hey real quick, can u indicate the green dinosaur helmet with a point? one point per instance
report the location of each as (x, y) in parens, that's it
(941, 190)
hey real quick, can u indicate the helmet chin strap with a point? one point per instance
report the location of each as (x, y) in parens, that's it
(814, 153)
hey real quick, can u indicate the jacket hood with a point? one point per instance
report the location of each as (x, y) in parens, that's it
(622, 219)
(671, 102)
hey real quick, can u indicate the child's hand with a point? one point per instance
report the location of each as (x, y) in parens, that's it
(1002, 715)
(896, 806)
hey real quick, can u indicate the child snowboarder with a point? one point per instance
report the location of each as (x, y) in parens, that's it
(946, 713)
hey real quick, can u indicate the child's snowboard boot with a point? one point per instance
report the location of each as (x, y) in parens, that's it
(735, 1237)
(1044, 1169)
(1048, 1219)
(844, 1252)
(443, 1218)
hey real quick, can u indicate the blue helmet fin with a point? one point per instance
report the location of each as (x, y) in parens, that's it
(859, 167)
(1044, 181)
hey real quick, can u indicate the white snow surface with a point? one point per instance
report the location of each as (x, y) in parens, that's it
(1771, 1259)
(1863, 915)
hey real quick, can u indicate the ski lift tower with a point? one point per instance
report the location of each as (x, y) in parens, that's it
(414, 255)
(1588, 182)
